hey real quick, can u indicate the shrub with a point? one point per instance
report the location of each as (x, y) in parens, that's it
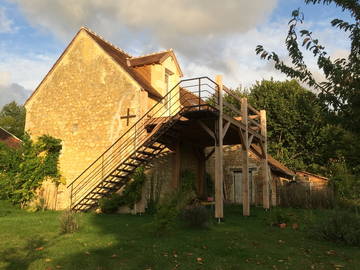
(130, 195)
(277, 216)
(166, 214)
(298, 195)
(196, 216)
(171, 206)
(338, 226)
(24, 169)
(68, 222)
(109, 205)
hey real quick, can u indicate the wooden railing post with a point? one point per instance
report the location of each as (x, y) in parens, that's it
(245, 159)
(199, 93)
(264, 163)
(219, 211)
(71, 196)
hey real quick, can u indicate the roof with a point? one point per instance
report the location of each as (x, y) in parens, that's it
(312, 174)
(123, 59)
(187, 98)
(9, 139)
(155, 58)
(275, 165)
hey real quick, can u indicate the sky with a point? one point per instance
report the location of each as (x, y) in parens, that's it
(209, 37)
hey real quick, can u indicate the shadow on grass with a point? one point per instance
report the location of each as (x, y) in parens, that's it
(122, 242)
(21, 258)
(129, 242)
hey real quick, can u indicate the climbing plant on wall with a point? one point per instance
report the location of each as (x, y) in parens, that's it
(24, 169)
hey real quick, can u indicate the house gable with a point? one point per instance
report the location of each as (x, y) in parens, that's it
(81, 101)
(117, 55)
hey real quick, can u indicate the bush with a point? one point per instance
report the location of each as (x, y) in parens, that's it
(196, 216)
(130, 195)
(298, 195)
(23, 170)
(171, 206)
(338, 226)
(109, 205)
(68, 222)
(277, 216)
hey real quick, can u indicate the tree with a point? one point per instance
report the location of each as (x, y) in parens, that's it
(295, 120)
(341, 88)
(12, 118)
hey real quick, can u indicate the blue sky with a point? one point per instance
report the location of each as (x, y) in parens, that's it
(209, 38)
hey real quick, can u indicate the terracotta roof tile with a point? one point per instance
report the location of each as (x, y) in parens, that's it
(155, 58)
(9, 139)
(187, 98)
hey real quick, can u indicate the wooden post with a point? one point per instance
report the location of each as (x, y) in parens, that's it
(176, 166)
(201, 172)
(264, 162)
(273, 190)
(245, 159)
(219, 211)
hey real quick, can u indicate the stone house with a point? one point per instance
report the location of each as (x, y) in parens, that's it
(114, 112)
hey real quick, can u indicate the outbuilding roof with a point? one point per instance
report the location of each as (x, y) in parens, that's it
(9, 139)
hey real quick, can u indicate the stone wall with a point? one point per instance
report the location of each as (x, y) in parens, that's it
(81, 102)
(233, 163)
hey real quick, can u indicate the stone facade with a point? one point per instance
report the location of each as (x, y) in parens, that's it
(82, 99)
(233, 166)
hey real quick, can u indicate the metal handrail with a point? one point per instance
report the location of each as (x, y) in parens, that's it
(137, 136)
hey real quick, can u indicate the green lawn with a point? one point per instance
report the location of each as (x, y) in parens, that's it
(32, 241)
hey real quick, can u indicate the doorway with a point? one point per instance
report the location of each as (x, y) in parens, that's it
(236, 194)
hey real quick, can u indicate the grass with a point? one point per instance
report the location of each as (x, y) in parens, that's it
(33, 241)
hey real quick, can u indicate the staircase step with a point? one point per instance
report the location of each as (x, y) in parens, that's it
(108, 188)
(130, 164)
(118, 176)
(154, 147)
(145, 153)
(84, 204)
(124, 170)
(138, 158)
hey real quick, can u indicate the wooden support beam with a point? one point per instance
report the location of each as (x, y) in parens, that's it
(273, 189)
(250, 140)
(245, 159)
(207, 129)
(210, 154)
(226, 127)
(264, 162)
(201, 172)
(219, 200)
(176, 166)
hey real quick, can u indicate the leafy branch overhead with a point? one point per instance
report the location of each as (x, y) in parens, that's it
(340, 89)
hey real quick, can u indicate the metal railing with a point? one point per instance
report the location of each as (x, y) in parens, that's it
(189, 94)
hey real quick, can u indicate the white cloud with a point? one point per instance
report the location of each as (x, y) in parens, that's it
(27, 71)
(197, 30)
(13, 92)
(5, 22)
(5, 78)
(209, 36)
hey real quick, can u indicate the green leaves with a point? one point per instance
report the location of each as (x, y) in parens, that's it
(24, 169)
(12, 118)
(340, 89)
